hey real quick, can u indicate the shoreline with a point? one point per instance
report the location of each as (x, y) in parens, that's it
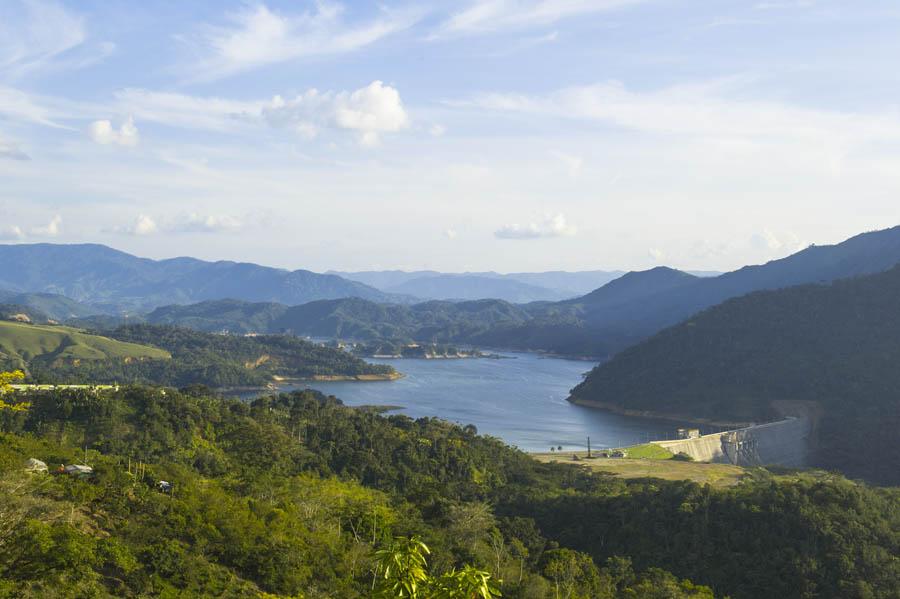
(277, 381)
(651, 415)
(361, 378)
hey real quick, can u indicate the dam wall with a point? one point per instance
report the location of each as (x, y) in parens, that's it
(785, 443)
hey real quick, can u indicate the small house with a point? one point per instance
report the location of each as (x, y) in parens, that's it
(76, 470)
(688, 433)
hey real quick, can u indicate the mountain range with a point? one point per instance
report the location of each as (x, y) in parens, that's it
(112, 281)
(521, 288)
(599, 324)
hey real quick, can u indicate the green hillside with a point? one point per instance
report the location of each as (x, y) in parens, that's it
(22, 345)
(833, 348)
(296, 495)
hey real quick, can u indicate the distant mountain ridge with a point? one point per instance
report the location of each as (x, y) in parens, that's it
(517, 287)
(522, 287)
(112, 281)
(473, 287)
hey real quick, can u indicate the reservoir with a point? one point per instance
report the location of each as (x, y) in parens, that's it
(520, 399)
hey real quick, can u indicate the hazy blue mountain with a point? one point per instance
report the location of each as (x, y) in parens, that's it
(472, 287)
(541, 286)
(570, 284)
(382, 279)
(114, 280)
(834, 346)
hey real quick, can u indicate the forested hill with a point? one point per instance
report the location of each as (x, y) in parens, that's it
(110, 280)
(197, 358)
(836, 345)
(295, 495)
(348, 318)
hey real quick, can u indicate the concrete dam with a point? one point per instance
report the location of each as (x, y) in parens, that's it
(785, 442)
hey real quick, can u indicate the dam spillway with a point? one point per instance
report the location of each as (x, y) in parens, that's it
(785, 443)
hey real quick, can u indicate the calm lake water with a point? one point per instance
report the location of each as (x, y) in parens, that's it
(521, 400)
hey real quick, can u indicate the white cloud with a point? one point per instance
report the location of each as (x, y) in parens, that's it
(656, 254)
(11, 233)
(51, 229)
(450, 233)
(258, 36)
(484, 16)
(552, 226)
(437, 130)
(143, 225)
(212, 223)
(370, 110)
(103, 132)
(11, 150)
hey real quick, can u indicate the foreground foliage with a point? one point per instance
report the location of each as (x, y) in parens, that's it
(298, 495)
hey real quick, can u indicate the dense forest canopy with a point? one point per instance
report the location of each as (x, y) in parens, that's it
(834, 346)
(297, 494)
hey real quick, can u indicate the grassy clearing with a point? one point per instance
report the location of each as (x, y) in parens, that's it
(649, 451)
(20, 343)
(717, 475)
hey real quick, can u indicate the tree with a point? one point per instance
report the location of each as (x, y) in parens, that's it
(6, 381)
(401, 573)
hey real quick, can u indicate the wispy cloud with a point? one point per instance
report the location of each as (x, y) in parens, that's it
(551, 226)
(712, 109)
(11, 150)
(17, 105)
(259, 36)
(42, 35)
(486, 16)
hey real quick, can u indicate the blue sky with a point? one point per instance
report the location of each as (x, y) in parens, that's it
(470, 135)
